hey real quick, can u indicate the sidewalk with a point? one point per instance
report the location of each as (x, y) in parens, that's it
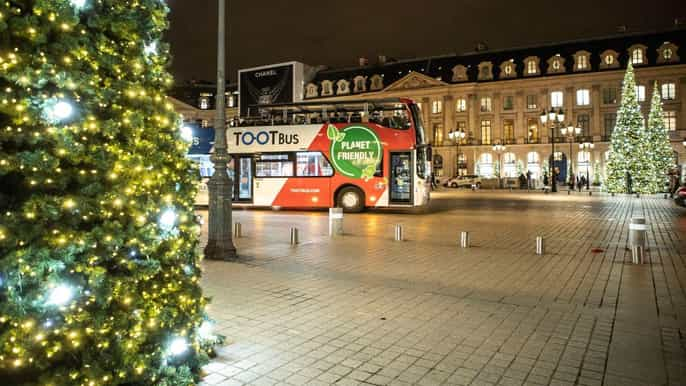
(364, 309)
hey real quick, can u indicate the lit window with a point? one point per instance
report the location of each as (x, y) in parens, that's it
(641, 93)
(461, 105)
(583, 121)
(204, 103)
(485, 165)
(204, 123)
(531, 67)
(312, 164)
(667, 54)
(670, 120)
(583, 97)
(581, 62)
(533, 164)
(230, 101)
(556, 98)
(274, 165)
(508, 102)
(486, 132)
(532, 134)
(609, 124)
(609, 59)
(486, 105)
(637, 56)
(508, 130)
(438, 135)
(531, 102)
(556, 64)
(436, 107)
(668, 91)
(509, 165)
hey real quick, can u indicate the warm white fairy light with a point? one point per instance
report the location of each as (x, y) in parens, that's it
(60, 295)
(178, 346)
(168, 219)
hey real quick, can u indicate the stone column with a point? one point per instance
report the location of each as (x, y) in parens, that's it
(473, 110)
(596, 117)
(496, 124)
(520, 122)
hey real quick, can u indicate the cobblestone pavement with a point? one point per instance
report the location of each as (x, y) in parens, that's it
(364, 309)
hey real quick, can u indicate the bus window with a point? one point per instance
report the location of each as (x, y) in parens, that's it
(273, 165)
(418, 126)
(312, 164)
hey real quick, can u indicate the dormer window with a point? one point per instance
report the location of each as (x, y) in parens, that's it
(204, 101)
(327, 88)
(343, 87)
(637, 53)
(311, 90)
(508, 69)
(582, 61)
(360, 83)
(667, 53)
(459, 73)
(485, 71)
(556, 64)
(377, 82)
(609, 59)
(531, 66)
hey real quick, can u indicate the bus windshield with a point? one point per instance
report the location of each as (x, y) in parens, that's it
(418, 125)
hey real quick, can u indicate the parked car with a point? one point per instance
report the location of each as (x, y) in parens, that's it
(464, 181)
(680, 196)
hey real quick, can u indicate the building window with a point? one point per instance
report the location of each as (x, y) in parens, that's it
(509, 165)
(436, 107)
(583, 97)
(668, 91)
(609, 124)
(667, 54)
(637, 56)
(670, 120)
(508, 102)
(204, 102)
(462, 126)
(533, 164)
(486, 105)
(584, 162)
(312, 164)
(609, 60)
(531, 67)
(327, 88)
(532, 133)
(508, 131)
(486, 132)
(204, 123)
(610, 96)
(230, 101)
(438, 134)
(461, 105)
(531, 102)
(556, 99)
(584, 122)
(582, 62)
(485, 165)
(641, 93)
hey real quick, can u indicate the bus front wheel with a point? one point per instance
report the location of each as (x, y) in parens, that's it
(351, 199)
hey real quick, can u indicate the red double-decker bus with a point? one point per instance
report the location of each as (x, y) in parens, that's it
(352, 154)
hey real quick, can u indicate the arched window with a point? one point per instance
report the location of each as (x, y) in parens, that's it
(485, 166)
(533, 164)
(509, 165)
(637, 56)
(584, 163)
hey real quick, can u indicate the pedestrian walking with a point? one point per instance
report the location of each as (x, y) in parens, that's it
(545, 179)
(528, 179)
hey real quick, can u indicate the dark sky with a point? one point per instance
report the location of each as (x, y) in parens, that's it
(337, 32)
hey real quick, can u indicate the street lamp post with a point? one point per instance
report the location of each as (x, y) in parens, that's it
(219, 242)
(499, 149)
(587, 146)
(555, 118)
(571, 133)
(457, 136)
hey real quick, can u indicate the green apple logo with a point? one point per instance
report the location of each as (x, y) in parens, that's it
(355, 151)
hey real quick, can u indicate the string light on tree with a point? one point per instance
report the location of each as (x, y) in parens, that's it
(58, 110)
(78, 4)
(187, 133)
(178, 346)
(150, 49)
(60, 295)
(168, 220)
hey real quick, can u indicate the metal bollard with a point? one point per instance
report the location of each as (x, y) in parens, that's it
(399, 236)
(540, 245)
(294, 236)
(665, 196)
(237, 230)
(335, 222)
(569, 192)
(590, 193)
(637, 239)
(464, 239)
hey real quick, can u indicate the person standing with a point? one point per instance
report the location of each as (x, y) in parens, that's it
(529, 183)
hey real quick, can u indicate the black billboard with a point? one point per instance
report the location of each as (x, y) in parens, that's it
(267, 85)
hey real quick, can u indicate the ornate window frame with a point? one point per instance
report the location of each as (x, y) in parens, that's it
(485, 71)
(327, 88)
(311, 90)
(508, 69)
(672, 49)
(528, 66)
(582, 57)
(460, 73)
(342, 87)
(556, 65)
(606, 63)
(360, 84)
(376, 82)
(636, 52)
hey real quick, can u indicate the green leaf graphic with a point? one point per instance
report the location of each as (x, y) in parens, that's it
(331, 132)
(340, 137)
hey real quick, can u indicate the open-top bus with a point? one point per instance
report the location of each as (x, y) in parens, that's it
(353, 155)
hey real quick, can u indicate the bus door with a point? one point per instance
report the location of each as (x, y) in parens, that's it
(401, 178)
(243, 182)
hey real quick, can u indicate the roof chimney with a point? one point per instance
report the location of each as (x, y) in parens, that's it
(363, 62)
(481, 46)
(621, 28)
(679, 21)
(381, 59)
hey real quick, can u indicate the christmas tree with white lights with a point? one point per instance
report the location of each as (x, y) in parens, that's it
(658, 146)
(99, 274)
(628, 164)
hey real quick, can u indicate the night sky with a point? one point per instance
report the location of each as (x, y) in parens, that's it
(337, 32)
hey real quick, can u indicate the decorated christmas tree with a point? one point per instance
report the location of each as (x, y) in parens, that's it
(627, 163)
(98, 264)
(658, 146)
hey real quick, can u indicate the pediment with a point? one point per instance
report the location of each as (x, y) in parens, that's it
(415, 80)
